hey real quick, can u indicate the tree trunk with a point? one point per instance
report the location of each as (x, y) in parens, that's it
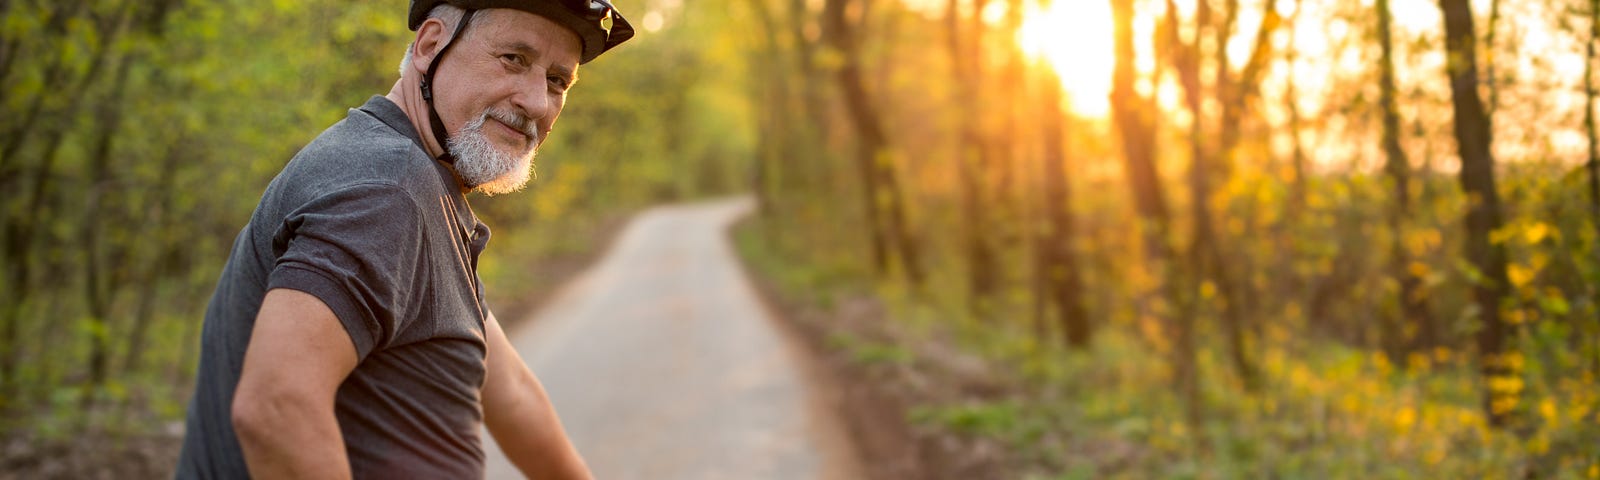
(1593, 165)
(1060, 259)
(1489, 41)
(156, 270)
(885, 202)
(20, 256)
(1204, 258)
(810, 97)
(966, 68)
(1136, 126)
(1491, 284)
(1295, 209)
(1413, 307)
(772, 130)
(100, 291)
(1134, 119)
(1235, 94)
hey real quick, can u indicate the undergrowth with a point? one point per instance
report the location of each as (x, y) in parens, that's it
(1324, 410)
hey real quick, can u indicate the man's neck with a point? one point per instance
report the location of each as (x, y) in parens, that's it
(408, 96)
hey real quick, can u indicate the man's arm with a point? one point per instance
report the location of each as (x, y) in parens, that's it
(520, 416)
(299, 353)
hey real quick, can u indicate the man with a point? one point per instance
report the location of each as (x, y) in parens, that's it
(348, 334)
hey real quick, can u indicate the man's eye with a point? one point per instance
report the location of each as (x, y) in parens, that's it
(513, 59)
(560, 83)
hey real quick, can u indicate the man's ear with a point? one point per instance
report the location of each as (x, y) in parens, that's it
(431, 36)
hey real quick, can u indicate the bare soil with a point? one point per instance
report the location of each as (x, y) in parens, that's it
(90, 457)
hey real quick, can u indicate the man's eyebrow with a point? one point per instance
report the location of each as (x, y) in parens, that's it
(525, 49)
(519, 47)
(564, 72)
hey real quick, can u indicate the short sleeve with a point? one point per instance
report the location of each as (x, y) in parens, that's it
(358, 250)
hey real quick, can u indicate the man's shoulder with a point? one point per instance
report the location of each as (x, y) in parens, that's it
(361, 150)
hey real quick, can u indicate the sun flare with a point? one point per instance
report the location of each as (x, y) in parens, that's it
(1074, 37)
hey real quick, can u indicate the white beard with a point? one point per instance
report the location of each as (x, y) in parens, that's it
(481, 164)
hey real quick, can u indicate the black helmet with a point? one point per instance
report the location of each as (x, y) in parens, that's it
(596, 22)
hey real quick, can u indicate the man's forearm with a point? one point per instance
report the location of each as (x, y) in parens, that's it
(519, 415)
(528, 431)
(286, 439)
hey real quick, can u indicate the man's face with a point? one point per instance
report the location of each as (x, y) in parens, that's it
(499, 91)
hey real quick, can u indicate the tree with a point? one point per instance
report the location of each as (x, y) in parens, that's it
(1134, 117)
(972, 153)
(1593, 136)
(1413, 307)
(1057, 258)
(885, 204)
(1490, 283)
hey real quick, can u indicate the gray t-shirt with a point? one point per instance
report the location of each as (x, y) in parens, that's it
(366, 221)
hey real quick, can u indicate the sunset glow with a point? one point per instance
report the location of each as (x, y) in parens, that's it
(1075, 39)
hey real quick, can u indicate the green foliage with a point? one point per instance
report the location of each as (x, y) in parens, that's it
(867, 352)
(991, 419)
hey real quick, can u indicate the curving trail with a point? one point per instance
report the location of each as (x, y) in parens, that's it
(664, 364)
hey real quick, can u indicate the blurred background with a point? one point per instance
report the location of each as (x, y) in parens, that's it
(1187, 238)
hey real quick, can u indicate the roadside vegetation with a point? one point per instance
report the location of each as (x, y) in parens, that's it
(1321, 239)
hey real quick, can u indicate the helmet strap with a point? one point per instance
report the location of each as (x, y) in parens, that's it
(439, 133)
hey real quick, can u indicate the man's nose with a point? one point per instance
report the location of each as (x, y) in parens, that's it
(532, 101)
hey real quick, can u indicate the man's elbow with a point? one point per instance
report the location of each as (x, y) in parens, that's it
(257, 415)
(249, 415)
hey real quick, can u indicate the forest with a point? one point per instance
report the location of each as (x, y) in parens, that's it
(1198, 238)
(1218, 239)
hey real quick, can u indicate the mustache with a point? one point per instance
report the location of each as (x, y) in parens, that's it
(517, 122)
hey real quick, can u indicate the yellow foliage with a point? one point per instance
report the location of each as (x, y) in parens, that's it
(1404, 418)
(1150, 327)
(1517, 317)
(1235, 226)
(1420, 241)
(1519, 274)
(1505, 384)
(1547, 409)
(1301, 376)
(1418, 269)
(1501, 405)
(1292, 310)
(1350, 402)
(1514, 360)
(554, 197)
(1538, 231)
(1418, 361)
(1381, 363)
(1435, 456)
(1530, 232)
(1539, 445)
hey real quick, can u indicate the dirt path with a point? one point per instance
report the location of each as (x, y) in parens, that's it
(663, 363)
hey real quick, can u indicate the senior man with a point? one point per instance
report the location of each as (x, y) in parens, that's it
(348, 334)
